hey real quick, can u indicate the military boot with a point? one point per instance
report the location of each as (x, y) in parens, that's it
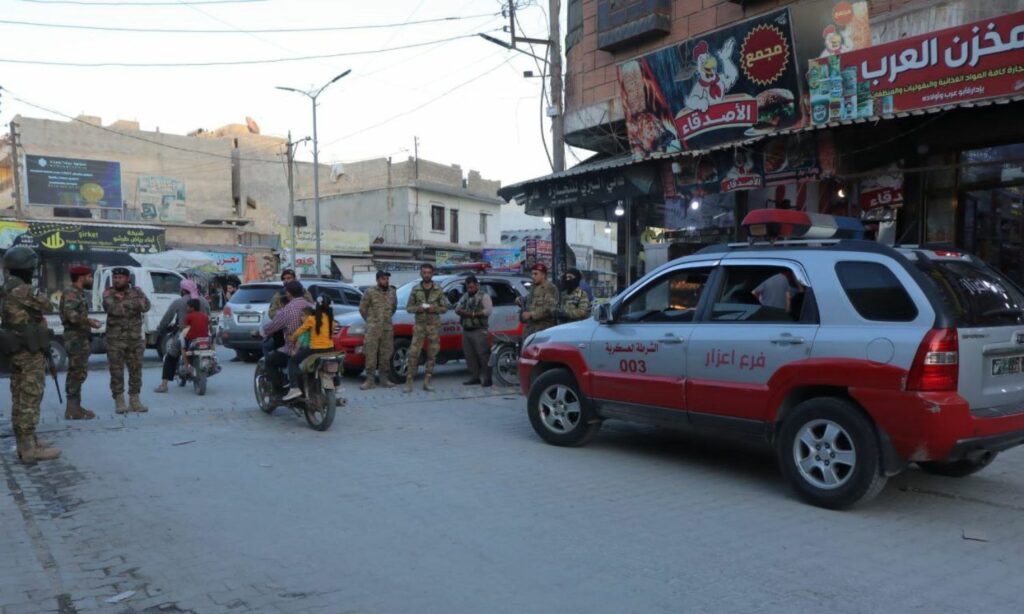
(408, 384)
(426, 382)
(75, 411)
(29, 453)
(136, 405)
(44, 450)
(385, 380)
(119, 405)
(368, 384)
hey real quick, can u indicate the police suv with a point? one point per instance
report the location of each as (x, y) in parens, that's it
(850, 358)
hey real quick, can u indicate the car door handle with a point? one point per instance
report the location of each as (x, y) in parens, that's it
(671, 339)
(788, 340)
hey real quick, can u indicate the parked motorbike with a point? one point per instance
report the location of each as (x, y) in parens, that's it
(202, 364)
(321, 375)
(504, 359)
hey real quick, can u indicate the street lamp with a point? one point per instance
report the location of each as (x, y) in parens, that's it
(313, 95)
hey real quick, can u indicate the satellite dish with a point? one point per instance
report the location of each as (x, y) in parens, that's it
(251, 124)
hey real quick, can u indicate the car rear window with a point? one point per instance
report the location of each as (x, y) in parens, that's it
(875, 292)
(254, 294)
(976, 295)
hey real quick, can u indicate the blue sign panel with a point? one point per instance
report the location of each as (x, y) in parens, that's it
(69, 182)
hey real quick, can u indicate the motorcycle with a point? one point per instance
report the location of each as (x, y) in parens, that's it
(321, 375)
(201, 364)
(504, 359)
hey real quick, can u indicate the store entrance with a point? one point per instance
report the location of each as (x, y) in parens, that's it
(992, 204)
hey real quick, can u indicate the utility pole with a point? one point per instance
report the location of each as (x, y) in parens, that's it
(559, 245)
(16, 171)
(291, 199)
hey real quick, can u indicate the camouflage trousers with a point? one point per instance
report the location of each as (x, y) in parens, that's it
(28, 378)
(431, 334)
(78, 347)
(378, 345)
(125, 353)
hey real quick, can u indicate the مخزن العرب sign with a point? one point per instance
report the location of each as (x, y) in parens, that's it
(979, 60)
(47, 236)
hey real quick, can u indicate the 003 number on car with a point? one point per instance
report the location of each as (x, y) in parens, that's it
(633, 366)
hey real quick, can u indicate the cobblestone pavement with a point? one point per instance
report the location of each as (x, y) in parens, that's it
(447, 502)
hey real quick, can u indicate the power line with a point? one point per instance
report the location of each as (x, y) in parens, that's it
(417, 108)
(238, 30)
(235, 62)
(125, 3)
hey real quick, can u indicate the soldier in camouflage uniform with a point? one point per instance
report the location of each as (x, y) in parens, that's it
(575, 303)
(377, 307)
(427, 301)
(78, 326)
(26, 339)
(541, 304)
(125, 306)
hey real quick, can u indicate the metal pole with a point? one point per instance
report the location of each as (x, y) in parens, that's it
(316, 186)
(291, 199)
(559, 247)
(16, 171)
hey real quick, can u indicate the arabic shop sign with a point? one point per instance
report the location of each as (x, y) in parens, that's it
(975, 61)
(46, 236)
(70, 182)
(728, 85)
(504, 260)
(229, 262)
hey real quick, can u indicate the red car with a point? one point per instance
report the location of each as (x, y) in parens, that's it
(503, 290)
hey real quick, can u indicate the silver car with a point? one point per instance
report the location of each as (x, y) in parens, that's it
(247, 310)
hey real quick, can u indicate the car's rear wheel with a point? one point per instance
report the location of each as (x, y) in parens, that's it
(829, 453)
(400, 360)
(959, 468)
(558, 412)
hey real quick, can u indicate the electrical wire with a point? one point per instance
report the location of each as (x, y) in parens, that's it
(234, 62)
(378, 26)
(127, 3)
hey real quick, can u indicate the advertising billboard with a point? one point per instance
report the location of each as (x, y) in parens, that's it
(728, 85)
(979, 60)
(70, 182)
(64, 237)
(161, 198)
(505, 259)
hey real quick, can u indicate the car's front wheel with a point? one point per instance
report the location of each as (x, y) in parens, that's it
(829, 453)
(558, 412)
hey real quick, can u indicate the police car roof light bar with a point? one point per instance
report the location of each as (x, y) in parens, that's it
(775, 224)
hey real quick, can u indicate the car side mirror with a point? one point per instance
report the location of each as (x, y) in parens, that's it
(603, 313)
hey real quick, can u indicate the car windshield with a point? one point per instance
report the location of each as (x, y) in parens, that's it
(254, 294)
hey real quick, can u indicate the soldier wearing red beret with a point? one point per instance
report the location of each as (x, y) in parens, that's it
(78, 327)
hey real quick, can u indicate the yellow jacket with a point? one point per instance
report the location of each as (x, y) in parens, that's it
(320, 341)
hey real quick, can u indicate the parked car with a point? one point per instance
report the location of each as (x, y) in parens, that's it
(874, 358)
(247, 310)
(503, 289)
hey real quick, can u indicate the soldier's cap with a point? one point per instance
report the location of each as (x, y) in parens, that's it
(121, 271)
(540, 266)
(383, 274)
(80, 270)
(471, 279)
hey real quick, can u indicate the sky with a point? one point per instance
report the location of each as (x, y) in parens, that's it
(466, 99)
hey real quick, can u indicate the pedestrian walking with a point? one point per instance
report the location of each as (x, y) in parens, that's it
(575, 304)
(427, 301)
(475, 308)
(542, 302)
(175, 316)
(26, 339)
(125, 305)
(319, 326)
(378, 307)
(78, 327)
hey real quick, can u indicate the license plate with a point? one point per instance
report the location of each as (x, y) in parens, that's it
(1010, 365)
(204, 353)
(252, 319)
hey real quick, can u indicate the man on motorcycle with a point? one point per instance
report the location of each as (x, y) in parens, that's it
(175, 315)
(197, 326)
(288, 319)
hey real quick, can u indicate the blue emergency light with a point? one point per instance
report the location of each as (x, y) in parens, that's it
(774, 224)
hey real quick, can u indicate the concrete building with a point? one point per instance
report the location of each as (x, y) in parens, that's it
(412, 211)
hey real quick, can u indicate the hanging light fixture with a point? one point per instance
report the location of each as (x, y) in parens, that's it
(619, 210)
(607, 228)
(842, 192)
(695, 204)
(547, 217)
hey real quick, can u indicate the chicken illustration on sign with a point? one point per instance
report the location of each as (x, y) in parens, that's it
(712, 84)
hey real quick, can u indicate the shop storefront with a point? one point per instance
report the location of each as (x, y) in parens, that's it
(61, 245)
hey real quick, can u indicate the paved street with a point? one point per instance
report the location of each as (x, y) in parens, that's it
(447, 502)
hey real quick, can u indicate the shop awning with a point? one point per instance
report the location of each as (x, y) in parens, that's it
(58, 235)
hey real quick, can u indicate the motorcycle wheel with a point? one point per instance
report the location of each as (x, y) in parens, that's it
(199, 382)
(506, 367)
(263, 389)
(320, 409)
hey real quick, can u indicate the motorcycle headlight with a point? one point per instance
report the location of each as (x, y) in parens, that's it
(357, 330)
